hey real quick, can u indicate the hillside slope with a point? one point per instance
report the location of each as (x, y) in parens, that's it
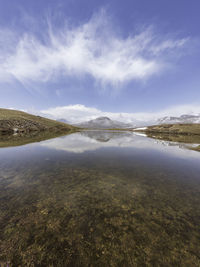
(184, 129)
(18, 121)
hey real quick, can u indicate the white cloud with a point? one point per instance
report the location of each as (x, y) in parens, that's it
(168, 45)
(79, 113)
(91, 49)
(73, 113)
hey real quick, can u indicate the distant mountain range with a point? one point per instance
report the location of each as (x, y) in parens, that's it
(182, 119)
(107, 123)
(104, 123)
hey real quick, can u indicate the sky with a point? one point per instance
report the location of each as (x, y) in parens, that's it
(75, 59)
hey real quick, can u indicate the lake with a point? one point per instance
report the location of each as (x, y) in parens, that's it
(100, 198)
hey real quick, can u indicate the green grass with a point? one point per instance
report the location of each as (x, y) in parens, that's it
(184, 129)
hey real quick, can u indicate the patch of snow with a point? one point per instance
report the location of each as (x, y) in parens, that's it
(141, 134)
(141, 128)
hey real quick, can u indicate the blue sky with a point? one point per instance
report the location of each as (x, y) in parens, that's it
(80, 59)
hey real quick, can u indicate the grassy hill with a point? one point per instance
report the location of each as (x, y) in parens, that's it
(18, 121)
(180, 129)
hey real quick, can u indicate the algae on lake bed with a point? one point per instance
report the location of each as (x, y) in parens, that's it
(109, 207)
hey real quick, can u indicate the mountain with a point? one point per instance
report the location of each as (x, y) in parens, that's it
(13, 121)
(182, 119)
(104, 123)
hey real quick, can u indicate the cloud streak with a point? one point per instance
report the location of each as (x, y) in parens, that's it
(93, 48)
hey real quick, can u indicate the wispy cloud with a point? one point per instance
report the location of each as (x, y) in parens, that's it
(93, 48)
(79, 113)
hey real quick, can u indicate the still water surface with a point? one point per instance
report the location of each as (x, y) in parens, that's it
(100, 199)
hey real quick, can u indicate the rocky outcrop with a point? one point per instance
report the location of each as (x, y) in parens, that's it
(15, 126)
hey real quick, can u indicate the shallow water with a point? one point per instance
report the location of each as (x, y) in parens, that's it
(100, 199)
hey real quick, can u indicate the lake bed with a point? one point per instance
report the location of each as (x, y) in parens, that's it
(100, 198)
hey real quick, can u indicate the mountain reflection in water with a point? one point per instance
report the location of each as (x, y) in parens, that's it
(92, 140)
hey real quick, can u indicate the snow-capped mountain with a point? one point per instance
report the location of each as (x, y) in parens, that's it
(182, 119)
(103, 123)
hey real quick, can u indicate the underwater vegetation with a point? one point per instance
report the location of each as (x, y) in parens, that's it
(117, 206)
